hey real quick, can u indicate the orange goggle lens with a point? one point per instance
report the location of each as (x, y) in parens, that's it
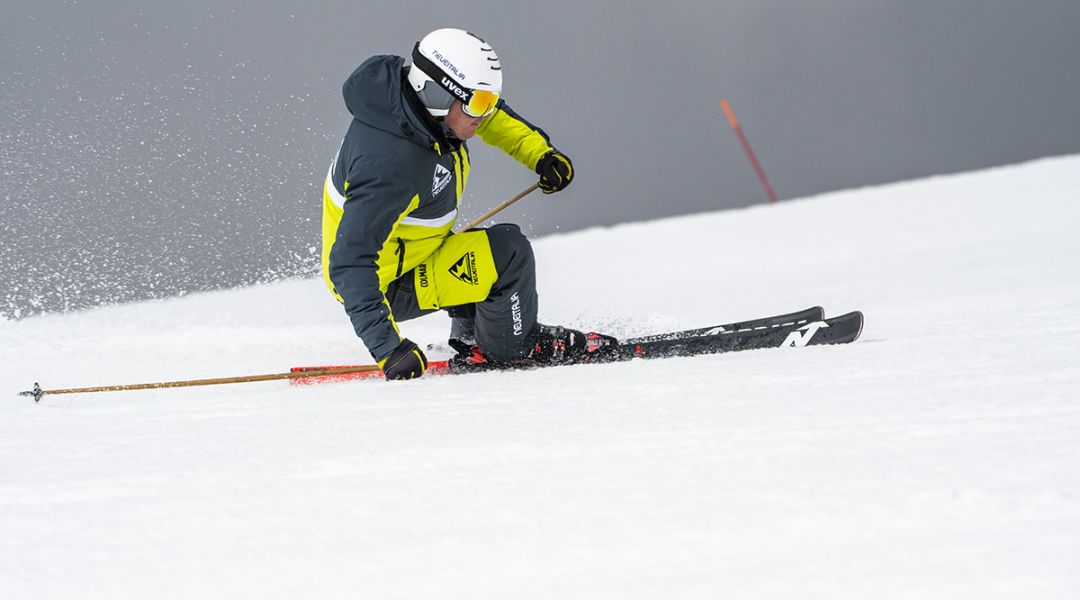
(481, 104)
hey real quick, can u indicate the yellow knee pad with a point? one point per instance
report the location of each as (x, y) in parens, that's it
(461, 271)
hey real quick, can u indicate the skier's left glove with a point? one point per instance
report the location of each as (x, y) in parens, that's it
(555, 171)
(407, 361)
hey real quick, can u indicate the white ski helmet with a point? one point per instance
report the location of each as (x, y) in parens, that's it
(452, 64)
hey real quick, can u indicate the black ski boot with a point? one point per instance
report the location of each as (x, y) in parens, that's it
(548, 345)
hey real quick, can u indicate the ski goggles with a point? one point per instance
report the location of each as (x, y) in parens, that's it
(481, 103)
(475, 103)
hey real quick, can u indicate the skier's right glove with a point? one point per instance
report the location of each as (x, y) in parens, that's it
(407, 361)
(555, 171)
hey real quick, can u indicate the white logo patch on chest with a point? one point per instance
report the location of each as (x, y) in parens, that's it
(440, 180)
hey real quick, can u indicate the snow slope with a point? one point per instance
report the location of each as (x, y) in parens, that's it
(938, 457)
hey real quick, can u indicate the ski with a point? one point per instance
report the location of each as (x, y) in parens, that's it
(837, 330)
(803, 328)
(801, 317)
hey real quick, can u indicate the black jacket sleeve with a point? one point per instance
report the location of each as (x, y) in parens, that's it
(377, 197)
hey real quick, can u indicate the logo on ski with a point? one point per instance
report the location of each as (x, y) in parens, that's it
(440, 180)
(803, 335)
(465, 268)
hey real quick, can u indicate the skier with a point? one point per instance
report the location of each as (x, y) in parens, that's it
(391, 199)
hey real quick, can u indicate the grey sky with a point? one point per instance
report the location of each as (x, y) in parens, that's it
(152, 148)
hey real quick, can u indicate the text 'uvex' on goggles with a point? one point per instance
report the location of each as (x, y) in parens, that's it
(475, 103)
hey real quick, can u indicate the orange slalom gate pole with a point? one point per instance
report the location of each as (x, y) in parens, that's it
(749, 151)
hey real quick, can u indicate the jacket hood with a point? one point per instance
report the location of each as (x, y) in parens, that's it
(375, 95)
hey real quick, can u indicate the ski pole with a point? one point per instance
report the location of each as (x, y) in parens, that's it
(492, 212)
(37, 393)
(749, 151)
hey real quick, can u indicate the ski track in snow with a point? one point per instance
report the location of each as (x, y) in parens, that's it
(938, 457)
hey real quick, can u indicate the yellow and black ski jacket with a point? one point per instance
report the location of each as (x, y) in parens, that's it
(392, 194)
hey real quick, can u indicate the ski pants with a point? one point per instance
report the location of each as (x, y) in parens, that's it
(483, 277)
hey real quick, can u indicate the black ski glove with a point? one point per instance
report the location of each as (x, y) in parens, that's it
(555, 171)
(407, 361)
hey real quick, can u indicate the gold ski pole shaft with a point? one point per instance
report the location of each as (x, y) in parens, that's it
(37, 392)
(491, 213)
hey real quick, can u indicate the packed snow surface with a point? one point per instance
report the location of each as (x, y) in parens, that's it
(937, 457)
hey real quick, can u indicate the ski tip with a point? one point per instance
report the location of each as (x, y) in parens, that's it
(845, 328)
(856, 315)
